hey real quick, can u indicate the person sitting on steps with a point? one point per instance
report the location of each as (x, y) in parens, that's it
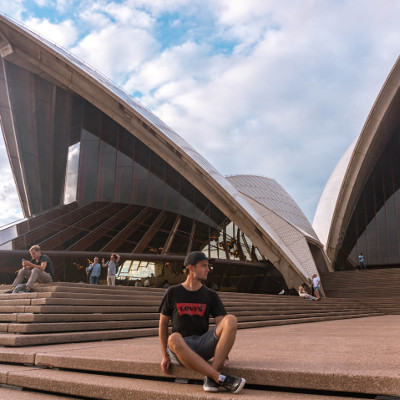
(191, 343)
(38, 269)
(303, 293)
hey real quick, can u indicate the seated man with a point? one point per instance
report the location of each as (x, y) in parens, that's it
(189, 305)
(38, 269)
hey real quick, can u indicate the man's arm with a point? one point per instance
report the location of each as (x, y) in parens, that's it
(102, 263)
(118, 257)
(42, 266)
(163, 337)
(28, 265)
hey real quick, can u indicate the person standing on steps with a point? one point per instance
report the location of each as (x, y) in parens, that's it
(189, 305)
(112, 267)
(95, 271)
(361, 262)
(316, 285)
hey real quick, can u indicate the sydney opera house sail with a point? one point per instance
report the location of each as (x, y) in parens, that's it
(96, 172)
(359, 210)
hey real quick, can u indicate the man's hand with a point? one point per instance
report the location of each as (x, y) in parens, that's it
(166, 364)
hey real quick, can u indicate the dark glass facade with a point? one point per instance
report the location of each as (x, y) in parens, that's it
(114, 166)
(120, 196)
(374, 228)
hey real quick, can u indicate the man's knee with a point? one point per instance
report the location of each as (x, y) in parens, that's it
(34, 273)
(175, 341)
(22, 272)
(229, 321)
(228, 324)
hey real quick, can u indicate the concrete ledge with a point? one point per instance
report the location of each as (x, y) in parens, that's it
(8, 339)
(15, 394)
(79, 326)
(84, 309)
(111, 387)
(67, 313)
(84, 317)
(359, 356)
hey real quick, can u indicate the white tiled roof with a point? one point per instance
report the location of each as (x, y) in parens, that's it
(282, 215)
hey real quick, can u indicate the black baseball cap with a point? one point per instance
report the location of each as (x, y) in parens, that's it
(194, 257)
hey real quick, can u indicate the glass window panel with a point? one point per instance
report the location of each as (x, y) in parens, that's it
(382, 242)
(186, 207)
(372, 255)
(126, 143)
(71, 181)
(107, 169)
(172, 199)
(391, 211)
(156, 191)
(89, 162)
(109, 130)
(123, 179)
(92, 119)
(381, 218)
(141, 184)
(142, 154)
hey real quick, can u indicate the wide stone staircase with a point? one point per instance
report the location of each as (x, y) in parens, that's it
(55, 343)
(377, 288)
(67, 312)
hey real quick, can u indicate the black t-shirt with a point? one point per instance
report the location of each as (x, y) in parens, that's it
(49, 266)
(190, 310)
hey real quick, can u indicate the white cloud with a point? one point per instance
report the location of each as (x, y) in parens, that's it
(285, 103)
(287, 107)
(12, 8)
(114, 51)
(119, 41)
(63, 34)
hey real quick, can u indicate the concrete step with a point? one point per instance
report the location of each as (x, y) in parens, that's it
(16, 340)
(322, 356)
(17, 393)
(84, 317)
(94, 386)
(81, 295)
(377, 289)
(244, 322)
(67, 313)
(316, 357)
(31, 318)
(29, 339)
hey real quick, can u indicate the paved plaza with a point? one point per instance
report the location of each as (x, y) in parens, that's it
(355, 356)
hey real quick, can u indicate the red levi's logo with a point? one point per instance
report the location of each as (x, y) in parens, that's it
(191, 309)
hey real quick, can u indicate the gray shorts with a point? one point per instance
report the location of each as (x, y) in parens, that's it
(204, 345)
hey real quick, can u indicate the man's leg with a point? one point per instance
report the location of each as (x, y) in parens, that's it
(226, 331)
(38, 275)
(22, 273)
(189, 358)
(112, 280)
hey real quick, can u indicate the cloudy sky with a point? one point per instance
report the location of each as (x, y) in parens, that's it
(268, 87)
